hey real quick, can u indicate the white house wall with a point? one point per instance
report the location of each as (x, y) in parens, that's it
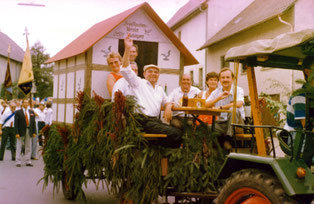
(141, 28)
(265, 77)
(62, 86)
(99, 83)
(80, 80)
(168, 56)
(169, 80)
(70, 85)
(193, 36)
(103, 48)
(220, 12)
(55, 85)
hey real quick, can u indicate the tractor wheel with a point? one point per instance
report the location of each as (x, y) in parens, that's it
(68, 192)
(250, 186)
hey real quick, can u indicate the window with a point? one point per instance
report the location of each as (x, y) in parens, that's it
(192, 76)
(200, 77)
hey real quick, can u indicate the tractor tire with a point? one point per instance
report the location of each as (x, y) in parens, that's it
(68, 192)
(253, 186)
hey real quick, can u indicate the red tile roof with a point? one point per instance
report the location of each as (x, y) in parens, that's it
(101, 29)
(257, 12)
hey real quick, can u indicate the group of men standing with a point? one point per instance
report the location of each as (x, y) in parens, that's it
(19, 125)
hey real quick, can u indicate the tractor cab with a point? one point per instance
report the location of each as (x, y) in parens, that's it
(247, 175)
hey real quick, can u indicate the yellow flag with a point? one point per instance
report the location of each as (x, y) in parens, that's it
(26, 75)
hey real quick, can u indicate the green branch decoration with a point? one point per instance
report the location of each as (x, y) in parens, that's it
(105, 145)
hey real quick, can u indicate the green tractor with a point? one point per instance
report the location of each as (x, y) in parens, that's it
(259, 178)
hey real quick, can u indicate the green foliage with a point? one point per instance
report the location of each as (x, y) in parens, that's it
(53, 157)
(42, 73)
(106, 146)
(277, 108)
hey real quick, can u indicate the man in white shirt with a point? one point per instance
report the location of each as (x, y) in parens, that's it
(222, 98)
(40, 116)
(175, 99)
(151, 97)
(7, 130)
(49, 113)
(3, 107)
(123, 85)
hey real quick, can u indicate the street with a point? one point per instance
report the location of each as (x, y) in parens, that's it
(19, 185)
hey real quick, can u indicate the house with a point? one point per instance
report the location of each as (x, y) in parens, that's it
(249, 21)
(82, 64)
(16, 58)
(195, 22)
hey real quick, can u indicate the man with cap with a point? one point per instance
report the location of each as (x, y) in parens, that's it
(151, 97)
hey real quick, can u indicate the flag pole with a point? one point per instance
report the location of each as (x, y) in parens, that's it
(26, 75)
(30, 93)
(9, 51)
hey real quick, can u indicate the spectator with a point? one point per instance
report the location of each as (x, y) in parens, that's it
(211, 83)
(3, 107)
(7, 130)
(25, 128)
(296, 109)
(151, 97)
(49, 113)
(222, 98)
(114, 62)
(133, 54)
(175, 99)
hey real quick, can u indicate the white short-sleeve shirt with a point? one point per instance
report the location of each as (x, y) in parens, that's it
(228, 100)
(176, 97)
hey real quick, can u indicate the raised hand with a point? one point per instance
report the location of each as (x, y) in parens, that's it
(128, 42)
(224, 95)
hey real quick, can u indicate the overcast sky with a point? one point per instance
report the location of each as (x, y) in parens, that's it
(61, 21)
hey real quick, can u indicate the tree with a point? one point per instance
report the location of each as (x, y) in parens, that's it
(43, 77)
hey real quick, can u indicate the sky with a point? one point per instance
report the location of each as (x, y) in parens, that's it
(61, 21)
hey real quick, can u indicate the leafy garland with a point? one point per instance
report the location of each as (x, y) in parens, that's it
(105, 145)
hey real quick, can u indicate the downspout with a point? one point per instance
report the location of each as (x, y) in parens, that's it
(291, 30)
(203, 7)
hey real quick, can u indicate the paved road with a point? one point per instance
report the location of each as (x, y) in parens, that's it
(19, 185)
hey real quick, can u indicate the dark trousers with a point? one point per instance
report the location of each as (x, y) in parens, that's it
(40, 126)
(8, 133)
(154, 125)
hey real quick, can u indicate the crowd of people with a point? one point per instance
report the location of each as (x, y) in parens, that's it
(21, 121)
(20, 124)
(152, 97)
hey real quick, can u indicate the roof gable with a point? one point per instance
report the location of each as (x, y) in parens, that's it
(257, 12)
(101, 29)
(17, 52)
(185, 11)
